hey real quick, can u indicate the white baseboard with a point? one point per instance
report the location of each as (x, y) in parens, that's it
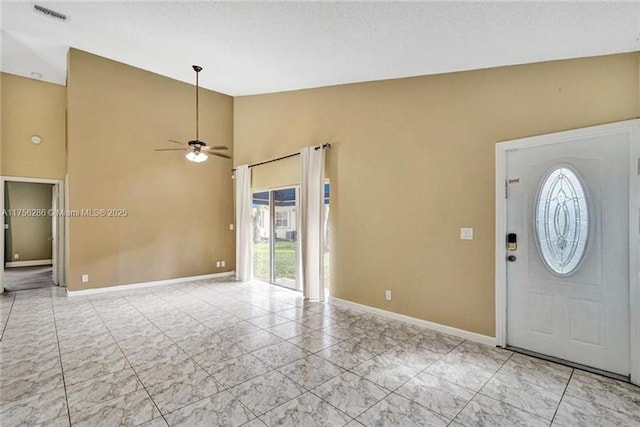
(85, 292)
(471, 336)
(33, 263)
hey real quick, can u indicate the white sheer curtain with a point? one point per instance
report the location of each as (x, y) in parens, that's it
(311, 206)
(244, 226)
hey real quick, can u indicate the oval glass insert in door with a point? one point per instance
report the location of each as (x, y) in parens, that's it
(561, 220)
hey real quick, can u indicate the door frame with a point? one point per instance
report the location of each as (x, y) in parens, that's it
(630, 127)
(59, 249)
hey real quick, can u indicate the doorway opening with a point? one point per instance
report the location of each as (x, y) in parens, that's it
(275, 237)
(31, 248)
(567, 261)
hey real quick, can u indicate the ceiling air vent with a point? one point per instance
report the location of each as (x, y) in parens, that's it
(49, 13)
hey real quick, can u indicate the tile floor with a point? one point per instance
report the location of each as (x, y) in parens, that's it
(232, 354)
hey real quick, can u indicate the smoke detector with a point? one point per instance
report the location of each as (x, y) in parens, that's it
(50, 13)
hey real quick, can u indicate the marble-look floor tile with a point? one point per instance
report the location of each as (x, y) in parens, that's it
(412, 356)
(131, 409)
(316, 321)
(257, 340)
(306, 410)
(21, 368)
(294, 313)
(385, 372)
(350, 393)
(486, 412)
(279, 355)
(436, 394)
(26, 352)
(76, 342)
(12, 389)
(465, 374)
(238, 370)
(197, 344)
(17, 339)
(395, 410)
(616, 395)
(526, 396)
(221, 409)
(182, 331)
(40, 409)
(154, 355)
(346, 354)
(540, 372)
(92, 369)
(156, 373)
(268, 321)
(256, 422)
(577, 412)
(231, 332)
(156, 422)
(342, 332)
(87, 354)
(179, 392)
(400, 331)
(311, 371)
(490, 358)
(265, 392)
(212, 356)
(91, 392)
(373, 342)
(314, 341)
(436, 342)
(289, 330)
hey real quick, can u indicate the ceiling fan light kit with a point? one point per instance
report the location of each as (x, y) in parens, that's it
(196, 157)
(197, 150)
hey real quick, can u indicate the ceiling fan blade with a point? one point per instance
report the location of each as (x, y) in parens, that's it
(170, 149)
(224, 156)
(218, 147)
(176, 142)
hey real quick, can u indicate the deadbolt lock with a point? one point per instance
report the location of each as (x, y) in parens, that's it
(511, 258)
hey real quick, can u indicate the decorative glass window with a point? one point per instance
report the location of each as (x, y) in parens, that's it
(562, 220)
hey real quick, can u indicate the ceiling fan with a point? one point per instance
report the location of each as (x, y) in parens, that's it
(198, 151)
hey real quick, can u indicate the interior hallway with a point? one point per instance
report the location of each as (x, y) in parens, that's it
(21, 278)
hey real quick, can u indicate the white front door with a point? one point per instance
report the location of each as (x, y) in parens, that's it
(568, 278)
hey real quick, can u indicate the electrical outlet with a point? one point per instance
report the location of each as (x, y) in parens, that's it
(387, 295)
(466, 233)
(16, 256)
(223, 263)
(85, 278)
(217, 264)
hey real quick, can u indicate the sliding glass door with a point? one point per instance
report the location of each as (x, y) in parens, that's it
(275, 237)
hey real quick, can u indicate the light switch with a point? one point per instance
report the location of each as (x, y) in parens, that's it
(466, 233)
(230, 226)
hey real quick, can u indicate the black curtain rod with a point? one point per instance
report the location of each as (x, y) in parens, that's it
(285, 157)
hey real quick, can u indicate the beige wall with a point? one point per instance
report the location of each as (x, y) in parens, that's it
(413, 161)
(27, 236)
(32, 107)
(178, 212)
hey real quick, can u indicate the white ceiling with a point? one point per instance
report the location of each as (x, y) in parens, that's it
(250, 48)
